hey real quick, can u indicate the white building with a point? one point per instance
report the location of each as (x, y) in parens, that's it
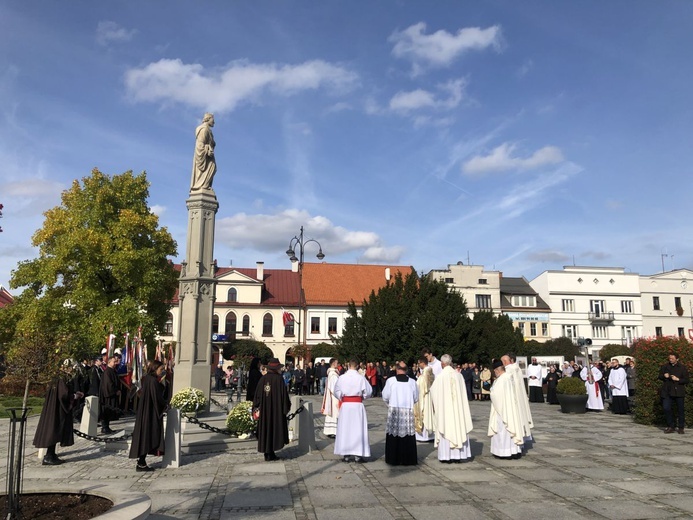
(479, 288)
(667, 303)
(529, 312)
(599, 304)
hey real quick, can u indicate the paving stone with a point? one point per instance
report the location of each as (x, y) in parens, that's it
(342, 495)
(649, 487)
(256, 498)
(606, 473)
(422, 494)
(352, 513)
(626, 509)
(440, 512)
(401, 478)
(539, 474)
(266, 482)
(538, 511)
(576, 489)
(508, 490)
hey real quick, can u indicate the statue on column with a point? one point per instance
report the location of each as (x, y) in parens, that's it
(204, 163)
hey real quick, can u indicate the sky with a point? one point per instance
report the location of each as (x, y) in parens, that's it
(522, 136)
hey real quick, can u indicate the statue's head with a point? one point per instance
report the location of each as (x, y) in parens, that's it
(208, 117)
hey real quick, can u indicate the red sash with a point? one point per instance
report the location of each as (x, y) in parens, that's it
(352, 399)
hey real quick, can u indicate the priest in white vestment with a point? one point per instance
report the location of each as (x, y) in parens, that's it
(591, 379)
(423, 409)
(400, 394)
(352, 424)
(330, 404)
(535, 380)
(521, 401)
(452, 419)
(504, 424)
(618, 383)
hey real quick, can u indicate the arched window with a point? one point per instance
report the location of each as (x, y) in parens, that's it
(267, 325)
(168, 327)
(289, 327)
(215, 324)
(232, 295)
(230, 325)
(246, 325)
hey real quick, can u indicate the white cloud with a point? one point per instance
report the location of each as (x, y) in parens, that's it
(422, 99)
(222, 89)
(548, 256)
(272, 233)
(110, 32)
(441, 48)
(158, 210)
(501, 159)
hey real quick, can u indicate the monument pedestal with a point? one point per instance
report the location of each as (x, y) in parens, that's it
(196, 296)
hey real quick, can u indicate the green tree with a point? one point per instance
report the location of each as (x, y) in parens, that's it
(243, 350)
(406, 315)
(323, 350)
(488, 337)
(613, 349)
(102, 263)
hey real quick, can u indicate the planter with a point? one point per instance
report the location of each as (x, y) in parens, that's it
(573, 403)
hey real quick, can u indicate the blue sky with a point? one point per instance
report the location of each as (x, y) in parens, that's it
(522, 135)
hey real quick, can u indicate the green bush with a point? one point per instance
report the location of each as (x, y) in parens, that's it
(571, 386)
(614, 349)
(650, 354)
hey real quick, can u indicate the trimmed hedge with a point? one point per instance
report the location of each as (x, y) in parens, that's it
(571, 386)
(650, 354)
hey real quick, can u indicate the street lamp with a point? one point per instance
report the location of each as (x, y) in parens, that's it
(298, 242)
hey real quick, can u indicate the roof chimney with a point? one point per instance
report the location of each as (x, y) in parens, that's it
(260, 270)
(387, 274)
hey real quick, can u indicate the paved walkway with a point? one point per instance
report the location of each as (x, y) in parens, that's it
(596, 465)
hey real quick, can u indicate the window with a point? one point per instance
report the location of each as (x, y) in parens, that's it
(628, 333)
(289, 327)
(215, 324)
(677, 302)
(521, 327)
(597, 307)
(315, 325)
(231, 324)
(544, 329)
(681, 332)
(568, 305)
(483, 281)
(168, 326)
(570, 331)
(524, 301)
(483, 301)
(332, 325)
(658, 332)
(655, 303)
(232, 295)
(627, 306)
(449, 280)
(246, 325)
(267, 322)
(599, 331)
(532, 329)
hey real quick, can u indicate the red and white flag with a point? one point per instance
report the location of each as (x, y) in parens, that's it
(287, 317)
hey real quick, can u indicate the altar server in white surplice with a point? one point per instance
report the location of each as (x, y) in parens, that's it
(400, 394)
(504, 424)
(618, 383)
(521, 401)
(423, 409)
(591, 379)
(352, 425)
(452, 418)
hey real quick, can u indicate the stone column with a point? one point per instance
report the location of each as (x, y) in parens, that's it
(196, 295)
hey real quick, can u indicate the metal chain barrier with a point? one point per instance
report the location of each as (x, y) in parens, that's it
(217, 403)
(298, 411)
(205, 426)
(94, 438)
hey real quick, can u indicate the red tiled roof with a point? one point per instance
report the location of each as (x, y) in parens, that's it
(339, 284)
(5, 297)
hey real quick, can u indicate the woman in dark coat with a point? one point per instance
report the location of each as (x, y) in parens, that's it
(272, 401)
(148, 435)
(55, 423)
(551, 381)
(254, 376)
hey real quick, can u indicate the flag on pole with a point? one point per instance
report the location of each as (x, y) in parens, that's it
(287, 317)
(110, 343)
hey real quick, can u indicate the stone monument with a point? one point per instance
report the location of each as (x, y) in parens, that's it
(197, 284)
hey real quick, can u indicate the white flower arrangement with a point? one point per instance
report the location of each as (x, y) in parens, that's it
(240, 419)
(189, 400)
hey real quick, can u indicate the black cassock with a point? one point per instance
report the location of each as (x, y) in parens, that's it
(272, 398)
(551, 384)
(148, 434)
(108, 398)
(55, 423)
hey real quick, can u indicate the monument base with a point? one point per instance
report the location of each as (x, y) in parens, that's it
(188, 375)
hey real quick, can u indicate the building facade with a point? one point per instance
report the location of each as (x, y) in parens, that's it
(528, 310)
(667, 303)
(479, 288)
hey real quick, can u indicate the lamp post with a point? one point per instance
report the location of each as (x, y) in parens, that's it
(299, 243)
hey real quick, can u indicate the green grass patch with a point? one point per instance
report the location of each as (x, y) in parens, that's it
(35, 404)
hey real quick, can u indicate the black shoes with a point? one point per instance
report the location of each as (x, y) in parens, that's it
(51, 461)
(681, 431)
(669, 429)
(269, 457)
(351, 458)
(107, 431)
(144, 468)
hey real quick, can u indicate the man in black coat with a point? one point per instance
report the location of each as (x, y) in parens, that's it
(675, 377)
(148, 434)
(109, 395)
(55, 423)
(272, 402)
(310, 378)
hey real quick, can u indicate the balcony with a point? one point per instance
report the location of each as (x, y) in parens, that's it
(600, 317)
